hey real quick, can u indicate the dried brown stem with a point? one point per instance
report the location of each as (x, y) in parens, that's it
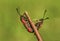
(34, 28)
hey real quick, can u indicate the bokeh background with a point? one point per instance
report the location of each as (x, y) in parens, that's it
(11, 28)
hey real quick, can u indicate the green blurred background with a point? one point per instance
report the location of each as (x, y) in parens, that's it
(11, 28)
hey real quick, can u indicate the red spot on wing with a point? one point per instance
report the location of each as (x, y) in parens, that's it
(23, 21)
(29, 29)
(26, 25)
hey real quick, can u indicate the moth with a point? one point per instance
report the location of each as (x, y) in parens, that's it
(26, 23)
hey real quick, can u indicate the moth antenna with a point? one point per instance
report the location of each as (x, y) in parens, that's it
(18, 11)
(44, 13)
